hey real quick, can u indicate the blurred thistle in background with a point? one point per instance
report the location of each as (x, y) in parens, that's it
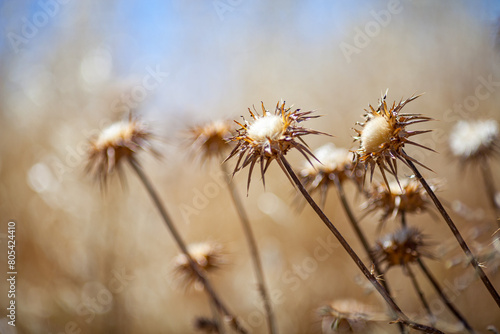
(99, 264)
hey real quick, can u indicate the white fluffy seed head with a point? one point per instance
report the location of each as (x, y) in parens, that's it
(115, 133)
(376, 132)
(471, 138)
(269, 127)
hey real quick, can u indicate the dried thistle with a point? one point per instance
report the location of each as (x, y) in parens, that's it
(210, 140)
(384, 135)
(348, 316)
(332, 163)
(396, 198)
(401, 248)
(209, 256)
(475, 140)
(270, 136)
(120, 140)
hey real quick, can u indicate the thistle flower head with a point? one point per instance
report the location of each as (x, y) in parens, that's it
(348, 316)
(475, 140)
(270, 136)
(210, 140)
(384, 135)
(333, 163)
(119, 141)
(209, 256)
(402, 196)
(400, 248)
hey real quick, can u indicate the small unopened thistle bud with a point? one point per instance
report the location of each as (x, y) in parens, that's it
(121, 140)
(384, 135)
(209, 256)
(401, 248)
(210, 140)
(348, 316)
(403, 196)
(333, 163)
(270, 136)
(475, 140)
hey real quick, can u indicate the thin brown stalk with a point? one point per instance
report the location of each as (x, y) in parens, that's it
(362, 238)
(217, 318)
(489, 185)
(473, 260)
(180, 243)
(254, 252)
(443, 297)
(401, 317)
(421, 295)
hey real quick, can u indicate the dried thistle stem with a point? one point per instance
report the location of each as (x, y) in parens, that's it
(489, 185)
(180, 243)
(437, 287)
(254, 252)
(456, 233)
(219, 323)
(355, 224)
(421, 296)
(443, 297)
(392, 304)
(361, 237)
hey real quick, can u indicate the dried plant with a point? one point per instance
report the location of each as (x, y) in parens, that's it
(269, 137)
(349, 316)
(384, 135)
(333, 167)
(382, 142)
(401, 248)
(476, 142)
(405, 196)
(407, 246)
(122, 142)
(211, 141)
(332, 164)
(208, 255)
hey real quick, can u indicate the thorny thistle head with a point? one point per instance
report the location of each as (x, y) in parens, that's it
(121, 140)
(475, 140)
(384, 135)
(401, 248)
(210, 140)
(333, 163)
(398, 197)
(270, 136)
(348, 316)
(209, 256)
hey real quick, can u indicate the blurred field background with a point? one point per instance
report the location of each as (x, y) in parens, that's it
(89, 63)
